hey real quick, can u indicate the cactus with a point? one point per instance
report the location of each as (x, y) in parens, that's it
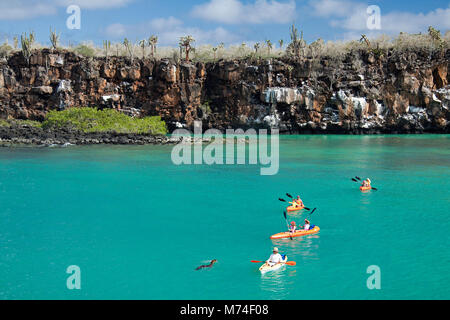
(295, 40)
(269, 46)
(436, 36)
(152, 41)
(54, 39)
(256, 46)
(27, 45)
(129, 47)
(215, 52)
(16, 42)
(106, 47)
(364, 39)
(186, 44)
(281, 42)
(143, 44)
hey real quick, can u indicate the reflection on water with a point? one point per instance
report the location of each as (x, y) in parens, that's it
(306, 246)
(276, 283)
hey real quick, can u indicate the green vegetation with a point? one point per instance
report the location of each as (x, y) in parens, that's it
(106, 120)
(85, 50)
(5, 49)
(20, 123)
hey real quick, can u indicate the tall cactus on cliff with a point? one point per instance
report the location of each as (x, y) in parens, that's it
(153, 41)
(186, 44)
(215, 52)
(106, 47)
(297, 45)
(54, 39)
(436, 37)
(256, 47)
(27, 45)
(269, 46)
(130, 48)
(143, 44)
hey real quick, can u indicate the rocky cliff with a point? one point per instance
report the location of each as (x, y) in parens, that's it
(355, 93)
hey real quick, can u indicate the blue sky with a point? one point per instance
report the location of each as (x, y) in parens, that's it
(215, 21)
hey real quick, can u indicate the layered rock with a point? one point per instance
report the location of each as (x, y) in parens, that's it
(357, 93)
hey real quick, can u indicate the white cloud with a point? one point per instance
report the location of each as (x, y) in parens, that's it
(235, 12)
(95, 4)
(352, 16)
(22, 9)
(19, 10)
(169, 30)
(116, 30)
(328, 8)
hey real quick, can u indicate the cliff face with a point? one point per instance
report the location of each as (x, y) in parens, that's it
(357, 93)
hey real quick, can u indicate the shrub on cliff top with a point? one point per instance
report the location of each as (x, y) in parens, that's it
(106, 120)
(85, 50)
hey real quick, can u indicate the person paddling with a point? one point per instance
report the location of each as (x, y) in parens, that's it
(307, 225)
(297, 202)
(293, 227)
(366, 183)
(275, 258)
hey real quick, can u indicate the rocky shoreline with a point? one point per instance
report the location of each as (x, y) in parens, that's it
(34, 136)
(28, 135)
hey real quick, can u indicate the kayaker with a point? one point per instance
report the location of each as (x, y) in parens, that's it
(293, 227)
(299, 201)
(294, 203)
(307, 225)
(366, 183)
(274, 258)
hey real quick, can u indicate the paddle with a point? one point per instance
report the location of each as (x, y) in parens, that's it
(289, 263)
(287, 224)
(312, 211)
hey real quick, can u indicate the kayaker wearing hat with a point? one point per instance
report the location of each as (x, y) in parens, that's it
(307, 225)
(293, 227)
(366, 183)
(274, 258)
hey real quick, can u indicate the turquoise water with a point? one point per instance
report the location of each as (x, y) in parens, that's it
(137, 225)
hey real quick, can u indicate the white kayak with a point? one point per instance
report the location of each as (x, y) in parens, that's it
(267, 267)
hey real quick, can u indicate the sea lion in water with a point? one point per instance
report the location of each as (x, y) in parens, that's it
(207, 265)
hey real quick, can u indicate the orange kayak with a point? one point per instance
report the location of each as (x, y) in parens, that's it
(284, 235)
(291, 208)
(365, 188)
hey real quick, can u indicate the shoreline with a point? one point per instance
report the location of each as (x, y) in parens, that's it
(32, 136)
